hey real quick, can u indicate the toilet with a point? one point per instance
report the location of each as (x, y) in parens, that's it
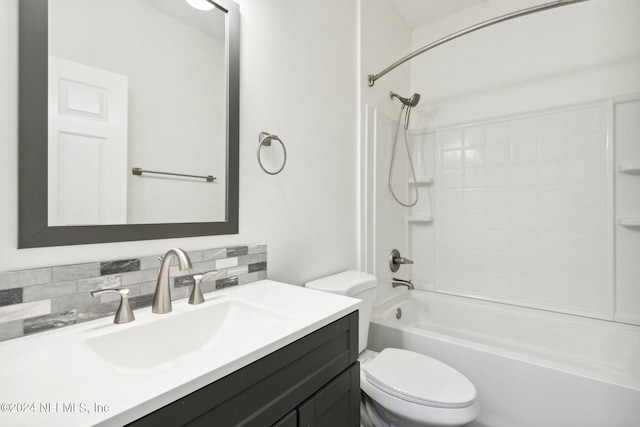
(401, 388)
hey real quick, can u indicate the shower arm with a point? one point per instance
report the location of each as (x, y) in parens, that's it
(523, 12)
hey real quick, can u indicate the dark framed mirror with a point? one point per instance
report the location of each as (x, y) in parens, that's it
(70, 191)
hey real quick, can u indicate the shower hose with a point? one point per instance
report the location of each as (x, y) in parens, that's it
(393, 158)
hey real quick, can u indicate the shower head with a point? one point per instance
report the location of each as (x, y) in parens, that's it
(409, 102)
(406, 102)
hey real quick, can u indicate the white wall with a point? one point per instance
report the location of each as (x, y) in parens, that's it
(298, 80)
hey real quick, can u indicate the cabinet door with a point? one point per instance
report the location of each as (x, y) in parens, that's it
(336, 405)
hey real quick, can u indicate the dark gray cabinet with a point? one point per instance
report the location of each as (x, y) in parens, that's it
(314, 381)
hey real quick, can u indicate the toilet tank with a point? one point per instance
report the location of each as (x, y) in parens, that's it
(355, 284)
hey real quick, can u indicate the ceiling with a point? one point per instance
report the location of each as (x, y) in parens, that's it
(420, 12)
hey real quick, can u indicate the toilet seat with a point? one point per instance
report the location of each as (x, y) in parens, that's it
(419, 379)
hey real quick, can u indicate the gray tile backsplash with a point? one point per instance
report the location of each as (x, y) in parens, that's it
(41, 299)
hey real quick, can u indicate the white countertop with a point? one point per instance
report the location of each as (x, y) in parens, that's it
(55, 378)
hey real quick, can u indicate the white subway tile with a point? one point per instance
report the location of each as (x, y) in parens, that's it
(553, 172)
(523, 219)
(585, 171)
(550, 243)
(586, 196)
(451, 159)
(452, 179)
(451, 218)
(498, 263)
(556, 268)
(553, 196)
(524, 151)
(499, 283)
(451, 258)
(497, 176)
(475, 240)
(585, 270)
(523, 197)
(474, 177)
(585, 221)
(452, 199)
(554, 148)
(473, 157)
(523, 265)
(497, 154)
(587, 145)
(586, 245)
(497, 198)
(553, 220)
(472, 260)
(498, 241)
(524, 174)
(498, 219)
(474, 219)
(474, 198)
(524, 242)
(452, 238)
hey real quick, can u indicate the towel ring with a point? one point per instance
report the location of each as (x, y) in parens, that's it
(265, 140)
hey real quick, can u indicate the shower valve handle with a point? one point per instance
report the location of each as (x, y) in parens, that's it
(395, 260)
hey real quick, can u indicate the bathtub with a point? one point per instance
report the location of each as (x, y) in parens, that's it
(531, 368)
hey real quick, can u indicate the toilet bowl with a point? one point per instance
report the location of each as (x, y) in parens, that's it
(409, 389)
(401, 388)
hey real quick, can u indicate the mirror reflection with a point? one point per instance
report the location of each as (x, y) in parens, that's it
(136, 84)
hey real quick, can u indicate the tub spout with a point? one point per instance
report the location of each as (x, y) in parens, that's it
(395, 282)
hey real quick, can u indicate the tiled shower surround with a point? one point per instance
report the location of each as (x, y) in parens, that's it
(40, 299)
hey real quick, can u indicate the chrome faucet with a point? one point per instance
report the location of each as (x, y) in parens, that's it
(162, 297)
(395, 282)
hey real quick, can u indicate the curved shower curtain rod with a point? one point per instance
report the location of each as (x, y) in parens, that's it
(523, 12)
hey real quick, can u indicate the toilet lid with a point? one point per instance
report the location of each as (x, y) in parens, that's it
(419, 379)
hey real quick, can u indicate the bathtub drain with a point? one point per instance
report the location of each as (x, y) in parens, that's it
(398, 313)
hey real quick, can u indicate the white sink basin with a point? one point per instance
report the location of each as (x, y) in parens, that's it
(169, 339)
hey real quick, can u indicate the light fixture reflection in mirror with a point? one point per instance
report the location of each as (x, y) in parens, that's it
(200, 4)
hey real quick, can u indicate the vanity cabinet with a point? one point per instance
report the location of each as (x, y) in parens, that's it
(314, 381)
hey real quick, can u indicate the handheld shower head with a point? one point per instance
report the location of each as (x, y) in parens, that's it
(409, 102)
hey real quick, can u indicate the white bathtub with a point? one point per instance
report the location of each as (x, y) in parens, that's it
(531, 368)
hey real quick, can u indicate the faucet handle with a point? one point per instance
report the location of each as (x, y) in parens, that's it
(395, 260)
(124, 313)
(196, 296)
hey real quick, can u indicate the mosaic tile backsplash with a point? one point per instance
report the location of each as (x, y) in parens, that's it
(41, 299)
